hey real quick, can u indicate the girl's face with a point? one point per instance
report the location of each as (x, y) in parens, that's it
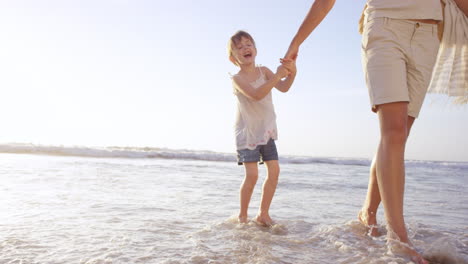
(244, 52)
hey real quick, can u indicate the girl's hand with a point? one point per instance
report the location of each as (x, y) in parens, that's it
(289, 64)
(282, 72)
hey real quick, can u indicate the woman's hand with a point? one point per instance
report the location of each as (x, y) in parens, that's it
(292, 52)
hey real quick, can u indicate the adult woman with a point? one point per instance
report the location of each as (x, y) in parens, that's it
(399, 48)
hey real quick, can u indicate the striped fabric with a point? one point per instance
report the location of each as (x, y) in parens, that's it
(450, 75)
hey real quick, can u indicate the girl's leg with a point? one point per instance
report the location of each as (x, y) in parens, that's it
(269, 188)
(246, 189)
(391, 171)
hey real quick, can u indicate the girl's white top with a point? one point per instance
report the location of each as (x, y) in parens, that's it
(450, 75)
(404, 9)
(255, 120)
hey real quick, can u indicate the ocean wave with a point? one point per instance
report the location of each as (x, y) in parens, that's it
(164, 153)
(114, 152)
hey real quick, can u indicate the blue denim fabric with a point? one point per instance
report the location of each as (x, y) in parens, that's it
(260, 154)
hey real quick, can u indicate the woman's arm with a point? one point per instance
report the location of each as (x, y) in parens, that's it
(317, 13)
(463, 5)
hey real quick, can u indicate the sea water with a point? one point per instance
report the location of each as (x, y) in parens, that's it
(128, 205)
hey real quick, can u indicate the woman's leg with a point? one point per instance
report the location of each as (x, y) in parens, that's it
(390, 171)
(269, 188)
(368, 213)
(390, 164)
(246, 189)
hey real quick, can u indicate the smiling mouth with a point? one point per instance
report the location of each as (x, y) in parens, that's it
(247, 55)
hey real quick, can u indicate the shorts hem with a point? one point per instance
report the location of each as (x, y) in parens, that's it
(240, 163)
(389, 100)
(374, 105)
(260, 154)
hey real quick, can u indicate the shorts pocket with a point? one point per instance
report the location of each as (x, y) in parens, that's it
(371, 30)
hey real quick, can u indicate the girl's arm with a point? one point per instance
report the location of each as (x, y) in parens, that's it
(283, 85)
(259, 93)
(317, 13)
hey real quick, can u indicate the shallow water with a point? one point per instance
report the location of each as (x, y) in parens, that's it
(116, 210)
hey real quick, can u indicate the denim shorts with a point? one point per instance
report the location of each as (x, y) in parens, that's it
(260, 154)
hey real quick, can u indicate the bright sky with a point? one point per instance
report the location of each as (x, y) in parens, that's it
(155, 73)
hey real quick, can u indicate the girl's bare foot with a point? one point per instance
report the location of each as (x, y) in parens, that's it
(264, 220)
(369, 220)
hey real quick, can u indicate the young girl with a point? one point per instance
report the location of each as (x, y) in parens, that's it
(255, 127)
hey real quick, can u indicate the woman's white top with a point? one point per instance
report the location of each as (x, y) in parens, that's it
(404, 9)
(450, 75)
(255, 120)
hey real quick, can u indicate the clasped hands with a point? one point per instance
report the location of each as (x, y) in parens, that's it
(287, 67)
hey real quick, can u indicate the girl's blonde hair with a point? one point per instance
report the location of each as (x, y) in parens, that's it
(236, 38)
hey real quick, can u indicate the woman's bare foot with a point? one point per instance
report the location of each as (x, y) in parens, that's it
(264, 220)
(242, 219)
(369, 220)
(406, 249)
(419, 259)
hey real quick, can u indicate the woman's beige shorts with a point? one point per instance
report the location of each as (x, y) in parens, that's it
(398, 56)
